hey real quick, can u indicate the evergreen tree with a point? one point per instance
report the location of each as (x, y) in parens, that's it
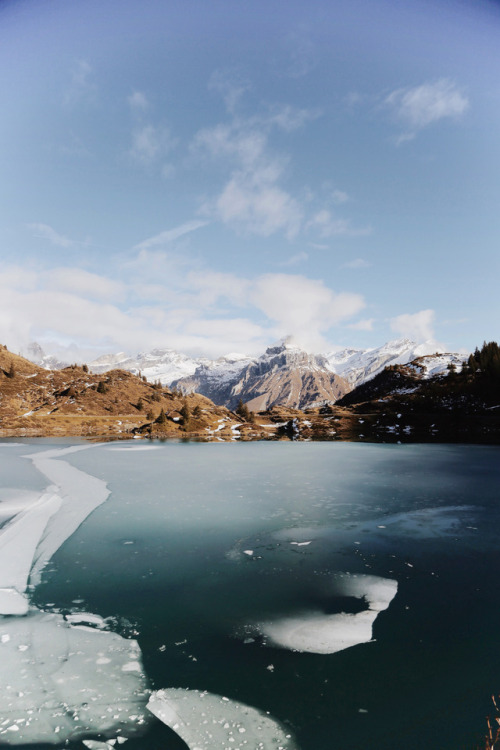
(140, 404)
(242, 411)
(185, 413)
(161, 418)
(101, 388)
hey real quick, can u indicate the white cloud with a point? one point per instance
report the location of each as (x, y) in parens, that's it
(230, 85)
(48, 233)
(303, 54)
(295, 259)
(150, 144)
(257, 204)
(303, 307)
(170, 235)
(417, 326)
(138, 101)
(328, 225)
(423, 105)
(363, 325)
(289, 118)
(357, 263)
(338, 196)
(212, 287)
(83, 283)
(166, 299)
(254, 198)
(81, 86)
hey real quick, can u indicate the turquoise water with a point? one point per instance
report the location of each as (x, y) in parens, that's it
(193, 549)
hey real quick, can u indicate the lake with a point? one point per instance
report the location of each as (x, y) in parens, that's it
(314, 596)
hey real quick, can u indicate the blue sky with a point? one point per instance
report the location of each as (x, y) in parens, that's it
(211, 176)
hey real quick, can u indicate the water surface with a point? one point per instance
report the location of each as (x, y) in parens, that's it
(199, 545)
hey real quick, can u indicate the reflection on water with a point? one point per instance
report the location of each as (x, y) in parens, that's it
(263, 573)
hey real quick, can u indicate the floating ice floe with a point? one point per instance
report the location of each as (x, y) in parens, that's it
(60, 679)
(317, 633)
(64, 682)
(211, 722)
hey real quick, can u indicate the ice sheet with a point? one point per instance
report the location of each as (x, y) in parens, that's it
(59, 682)
(317, 633)
(60, 679)
(18, 541)
(206, 721)
(81, 493)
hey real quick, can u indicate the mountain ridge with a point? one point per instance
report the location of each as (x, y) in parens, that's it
(285, 374)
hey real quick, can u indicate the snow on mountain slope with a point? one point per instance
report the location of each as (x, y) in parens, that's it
(437, 364)
(215, 376)
(284, 375)
(359, 365)
(165, 365)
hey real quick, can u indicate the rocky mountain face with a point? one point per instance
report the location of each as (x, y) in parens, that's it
(286, 376)
(35, 353)
(216, 377)
(283, 375)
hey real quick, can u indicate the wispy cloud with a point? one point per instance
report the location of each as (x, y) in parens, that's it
(294, 260)
(289, 118)
(252, 200)
(303, 55)
(423, 105)
(81, 86)
(48, 233)
(150, 144)
(138, 101)
(85, 284)
(362, 325)
(327, 225)
(338, 196)
(170, 235)
(357, 263)
(230, 85)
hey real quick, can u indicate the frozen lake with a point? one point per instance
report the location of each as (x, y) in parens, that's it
(307, 596)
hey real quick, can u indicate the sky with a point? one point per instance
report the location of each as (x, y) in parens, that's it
(212, 176)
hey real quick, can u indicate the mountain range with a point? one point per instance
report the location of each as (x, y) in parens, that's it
(284, 375)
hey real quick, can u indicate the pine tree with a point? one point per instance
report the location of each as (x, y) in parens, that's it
(101, 388)
(242, 411)
(185, 413)
(161, 418)
(140, 404)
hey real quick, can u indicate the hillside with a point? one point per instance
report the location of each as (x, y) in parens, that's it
(72, 401)
(284, 374)
(403, 403)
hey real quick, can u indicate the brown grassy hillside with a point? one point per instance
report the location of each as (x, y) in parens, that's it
(72, 401)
